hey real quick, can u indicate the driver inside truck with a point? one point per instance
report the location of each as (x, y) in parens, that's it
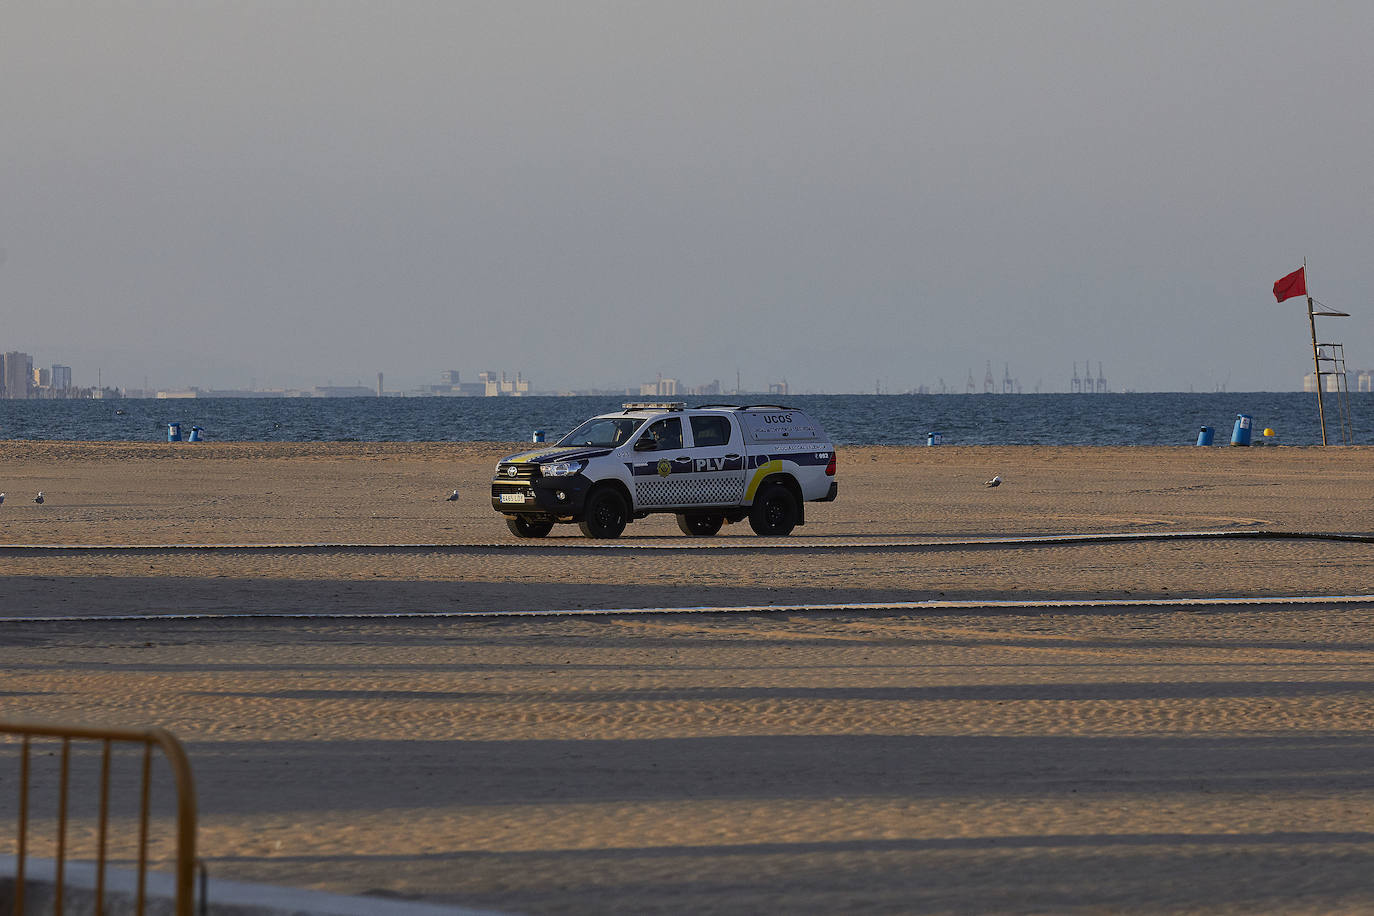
(666, 434)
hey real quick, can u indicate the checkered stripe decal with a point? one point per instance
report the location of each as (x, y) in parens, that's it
(691, 490)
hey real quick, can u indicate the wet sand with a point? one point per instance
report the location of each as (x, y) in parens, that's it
(1159, 759)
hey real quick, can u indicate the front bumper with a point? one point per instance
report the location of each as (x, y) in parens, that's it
(541, 497)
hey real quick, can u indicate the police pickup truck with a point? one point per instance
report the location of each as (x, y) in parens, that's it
(707, 465)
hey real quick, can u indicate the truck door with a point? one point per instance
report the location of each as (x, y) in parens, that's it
(660, 464)
(717, 472)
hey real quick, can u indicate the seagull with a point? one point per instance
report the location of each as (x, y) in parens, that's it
(39, 498)
(994, 482)
(453, 497)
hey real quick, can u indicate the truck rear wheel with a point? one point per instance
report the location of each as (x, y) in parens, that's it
(523, 527)
(700, 526)
(774, 513)
(606, 515)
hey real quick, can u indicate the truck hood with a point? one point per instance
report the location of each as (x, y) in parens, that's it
(556, 453)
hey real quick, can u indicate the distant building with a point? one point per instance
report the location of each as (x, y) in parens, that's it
(62, 377)
(16, 376)
(451, 386)
(1309, 382)
(494, 386)
(663, 388)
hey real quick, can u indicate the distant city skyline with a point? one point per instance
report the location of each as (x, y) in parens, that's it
(57, 381)
(20, 379)
(220, 375)
(972, 379)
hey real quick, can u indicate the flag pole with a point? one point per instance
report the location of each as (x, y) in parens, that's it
(1316, 353)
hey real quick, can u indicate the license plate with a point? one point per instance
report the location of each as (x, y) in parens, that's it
(512, 497)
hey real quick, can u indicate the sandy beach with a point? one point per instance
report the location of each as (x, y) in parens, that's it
(1162, 758)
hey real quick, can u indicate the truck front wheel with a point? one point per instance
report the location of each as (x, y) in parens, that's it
(606, 514)
(774, 512)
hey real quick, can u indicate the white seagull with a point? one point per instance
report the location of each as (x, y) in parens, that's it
(453, 497)
(994, 482)
(39, 498)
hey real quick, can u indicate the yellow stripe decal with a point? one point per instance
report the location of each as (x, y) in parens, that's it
(771, 467)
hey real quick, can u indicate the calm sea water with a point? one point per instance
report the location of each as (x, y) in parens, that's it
(1048, 419)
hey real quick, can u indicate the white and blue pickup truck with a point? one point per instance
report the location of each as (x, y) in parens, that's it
(707, 465)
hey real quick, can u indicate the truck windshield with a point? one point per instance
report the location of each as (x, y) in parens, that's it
(603, 432)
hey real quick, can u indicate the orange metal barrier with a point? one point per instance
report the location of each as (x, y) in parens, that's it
(186, 807)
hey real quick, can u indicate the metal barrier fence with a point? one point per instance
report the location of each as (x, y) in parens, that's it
(108, 737)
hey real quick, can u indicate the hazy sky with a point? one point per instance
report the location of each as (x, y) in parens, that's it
(593, 193)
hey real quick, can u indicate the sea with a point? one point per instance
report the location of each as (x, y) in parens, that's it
(851, 419)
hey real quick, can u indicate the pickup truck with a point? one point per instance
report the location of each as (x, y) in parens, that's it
(709, 466)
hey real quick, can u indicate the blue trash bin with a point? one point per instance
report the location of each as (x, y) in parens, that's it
(173, 432)
(1204, 436)
(934, 438)
(195, 434)
(1240, 435)
(538, 436)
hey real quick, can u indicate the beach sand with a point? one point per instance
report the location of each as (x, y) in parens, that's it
(1103, 758)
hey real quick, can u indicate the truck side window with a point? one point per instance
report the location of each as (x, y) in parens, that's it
(709, 431)
(666, 433)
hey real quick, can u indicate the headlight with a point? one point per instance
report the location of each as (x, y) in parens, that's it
(562, 468)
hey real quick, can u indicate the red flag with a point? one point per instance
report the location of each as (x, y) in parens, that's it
(1295, 284)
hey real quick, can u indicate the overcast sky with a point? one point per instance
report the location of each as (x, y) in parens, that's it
(839, 194)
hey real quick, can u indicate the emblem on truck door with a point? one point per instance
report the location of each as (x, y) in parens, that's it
(664, 468)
